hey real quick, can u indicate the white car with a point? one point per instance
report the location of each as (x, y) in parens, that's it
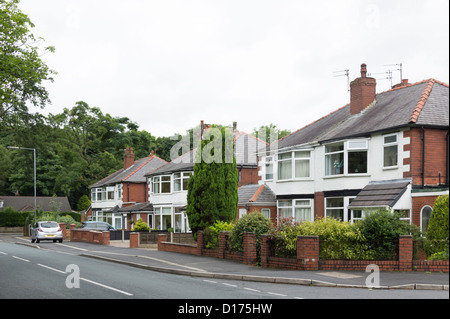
(46, 231)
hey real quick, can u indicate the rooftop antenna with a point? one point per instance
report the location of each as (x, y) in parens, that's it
(400, 68)
(388, 76)
(345, 73)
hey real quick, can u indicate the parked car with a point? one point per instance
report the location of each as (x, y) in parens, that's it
(97, 226)
(46, 230)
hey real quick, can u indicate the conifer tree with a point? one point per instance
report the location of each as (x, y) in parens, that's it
(212, 189)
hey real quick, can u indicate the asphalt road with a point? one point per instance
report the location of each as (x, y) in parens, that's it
(30, 273)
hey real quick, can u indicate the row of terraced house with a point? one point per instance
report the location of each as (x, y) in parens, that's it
(382, 150)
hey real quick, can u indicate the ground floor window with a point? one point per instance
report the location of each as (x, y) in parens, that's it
(170, 217)
(298, 209)
(337, 208)
(425, 215)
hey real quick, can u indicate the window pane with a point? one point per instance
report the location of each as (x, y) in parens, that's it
(426, 215)
(335, 213)
(334, 164)
(285, 169)
(302, 214)
(284, 213)
(335, 202)
(284, 203)
(390, 139)
(334, 148)
(269, 168)
(177, 185)
(390, 156)
(302, 169)
(302, 203)
(305, 154)
(284, 156)
(357, 162)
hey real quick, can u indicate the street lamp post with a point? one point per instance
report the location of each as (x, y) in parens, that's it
(34, 168)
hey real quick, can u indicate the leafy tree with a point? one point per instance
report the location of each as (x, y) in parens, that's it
(22, 72)
(438, 227)
(212, 189)
(269, 133)
(83, 203)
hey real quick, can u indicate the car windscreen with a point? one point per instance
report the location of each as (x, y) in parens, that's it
(49, 225)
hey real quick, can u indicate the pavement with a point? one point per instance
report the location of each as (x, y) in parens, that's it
(210, 267)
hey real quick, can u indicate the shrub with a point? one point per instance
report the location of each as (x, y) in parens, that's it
(211, 234)
(438, 227)
(382, 229)
(339, 240)
(254, 222)
(140, 226)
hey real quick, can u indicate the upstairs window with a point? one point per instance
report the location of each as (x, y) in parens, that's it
(294, 165)
(390, 151)
(346, 158)
(269, 168)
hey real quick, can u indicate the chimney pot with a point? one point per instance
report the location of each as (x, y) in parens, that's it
(363, 70)
(234, 126)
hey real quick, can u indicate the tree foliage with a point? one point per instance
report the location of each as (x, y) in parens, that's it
(438, 227)
(212, 189)
(22, 71)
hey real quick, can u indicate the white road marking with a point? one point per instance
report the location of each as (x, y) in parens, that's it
(60, 271)
(90, 281)
(230, 285)
(275, 294)
(1, 252)
(107, 287)
(21, 259)
(251, 289)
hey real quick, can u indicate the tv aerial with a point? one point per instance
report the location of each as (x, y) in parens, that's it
(344, 73)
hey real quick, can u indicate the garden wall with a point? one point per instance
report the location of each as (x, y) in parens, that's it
(308, 248)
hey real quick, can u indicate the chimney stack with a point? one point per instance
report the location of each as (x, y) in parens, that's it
(234, 126)
(128, 158)
(362, 91)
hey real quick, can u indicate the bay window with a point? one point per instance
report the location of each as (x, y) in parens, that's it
(298, 209)
(346, 158)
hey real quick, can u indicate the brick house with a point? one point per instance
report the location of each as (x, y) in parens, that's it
(124, 187)
(167, 185)
(387, 149)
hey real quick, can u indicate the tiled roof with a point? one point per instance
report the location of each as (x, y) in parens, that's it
(422, 103)
(256, 194)
(380, 194)
(134, 173)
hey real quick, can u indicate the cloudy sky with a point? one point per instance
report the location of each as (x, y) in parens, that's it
(168, 64)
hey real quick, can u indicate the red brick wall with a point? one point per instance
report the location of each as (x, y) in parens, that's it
(435, 156)
(417, 204)
(248, 176)
(134, 192)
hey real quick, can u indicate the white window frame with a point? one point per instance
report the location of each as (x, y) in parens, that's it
(293, 159)
(390, 144)
(292, 205)
(269, 162)
(349, 146)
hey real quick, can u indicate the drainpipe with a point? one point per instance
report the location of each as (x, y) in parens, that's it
(423, 157)
(447, 160)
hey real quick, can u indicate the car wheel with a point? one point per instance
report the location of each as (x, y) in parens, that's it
(37, 241)
(60, 240)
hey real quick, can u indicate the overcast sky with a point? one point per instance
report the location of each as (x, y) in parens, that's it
(168, 64)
